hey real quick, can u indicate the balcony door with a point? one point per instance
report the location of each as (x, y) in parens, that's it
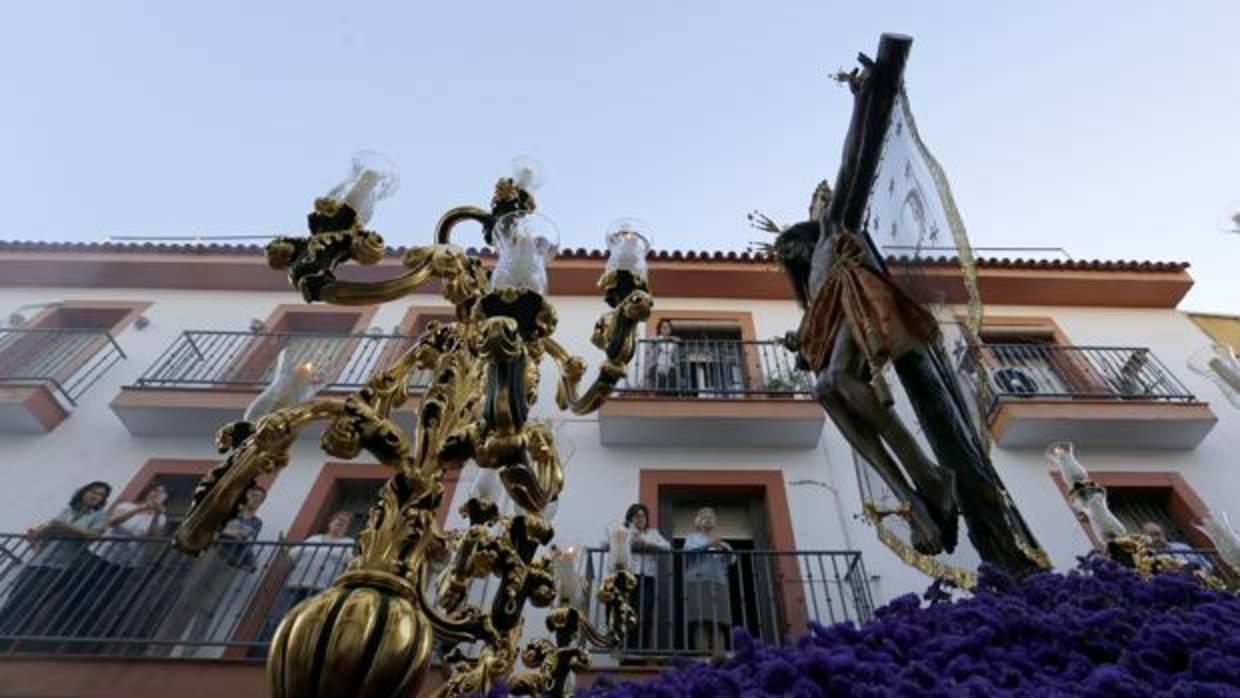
(752, 581)
(322, 338)
(711, 358)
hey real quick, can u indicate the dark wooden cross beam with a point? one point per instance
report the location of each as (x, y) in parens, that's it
(877, 88)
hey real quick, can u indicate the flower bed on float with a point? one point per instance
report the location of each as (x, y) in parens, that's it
(1098, 631)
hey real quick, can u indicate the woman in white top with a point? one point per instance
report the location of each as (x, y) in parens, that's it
(646, 543)
(121, 555)
(316, 563)
(663, 360)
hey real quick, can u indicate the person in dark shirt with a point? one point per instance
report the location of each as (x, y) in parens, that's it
(195, 616)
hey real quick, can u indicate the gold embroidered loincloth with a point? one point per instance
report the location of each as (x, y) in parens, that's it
(885, 322)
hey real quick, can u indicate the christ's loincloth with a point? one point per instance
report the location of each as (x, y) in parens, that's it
(885, 322)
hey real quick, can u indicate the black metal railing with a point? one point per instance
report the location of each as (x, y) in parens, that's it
(141, 597)
(215, 359)
(715, 368)
(70, 361)
(1207, 560)
(1021, 371)
(689, 602)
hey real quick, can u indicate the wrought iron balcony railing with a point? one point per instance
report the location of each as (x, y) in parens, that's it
(683, 368)
(1024, 371)
(69, 361)
(242, 360)
(773, 594)
(140, 597)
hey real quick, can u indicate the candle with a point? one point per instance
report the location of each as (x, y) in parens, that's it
(567, 582)
(526, 242)
(1229, 375)
(486, 486)
(360, 196)
(371, 178)
(291, 384)
(620, 540)
(1061, 454)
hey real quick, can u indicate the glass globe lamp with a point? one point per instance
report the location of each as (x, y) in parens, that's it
(525, 242)
(371, 179)
(628, 245)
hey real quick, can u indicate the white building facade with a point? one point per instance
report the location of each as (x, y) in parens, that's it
(166, 344)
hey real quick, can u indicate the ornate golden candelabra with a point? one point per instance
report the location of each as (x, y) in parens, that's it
(371, 632)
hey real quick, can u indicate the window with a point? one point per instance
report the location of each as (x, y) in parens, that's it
(1136, 506)
(1161, 497)
(351, 487)
(751, 581)
(321, 335)
(68, 344)
(714, 355)
(415, 322)
(753, 513)
(157, 590)
(180, 477)
(1023, 362)
(711, 359)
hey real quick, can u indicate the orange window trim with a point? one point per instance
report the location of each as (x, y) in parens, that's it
(110, 316)
(1073, 369)
(1186, 507)
(155, 467)
(743, 319)
(255, 359)
(769, 485)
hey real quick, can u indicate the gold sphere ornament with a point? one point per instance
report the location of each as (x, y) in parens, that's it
(361, 638)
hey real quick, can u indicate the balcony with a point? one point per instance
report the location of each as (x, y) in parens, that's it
(1118, 397)
(724, 393)
(44, 372)
(773, 594)
(208, 378)
(158, 623)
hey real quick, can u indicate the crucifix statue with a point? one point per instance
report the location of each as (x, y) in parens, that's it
(859, 320)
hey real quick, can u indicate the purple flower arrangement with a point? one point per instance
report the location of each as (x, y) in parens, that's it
(1098, 631)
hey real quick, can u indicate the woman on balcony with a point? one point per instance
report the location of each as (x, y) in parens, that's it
(52, 588)
(118, 560)
(316, 563)
(663, 360)
(646, 544)
(708, 596)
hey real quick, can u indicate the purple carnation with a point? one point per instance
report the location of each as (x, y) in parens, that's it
(1098, 631)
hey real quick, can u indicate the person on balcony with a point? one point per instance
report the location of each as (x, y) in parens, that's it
(663, 360)
(49, 593)
(646, 544)
(194, 615)
(1182, 552)
(316, 563)
(708, 595)
(120, 557)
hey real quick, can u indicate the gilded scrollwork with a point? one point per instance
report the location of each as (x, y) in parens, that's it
(484, 370)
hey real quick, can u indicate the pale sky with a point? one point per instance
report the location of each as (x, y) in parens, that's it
(1109, 129)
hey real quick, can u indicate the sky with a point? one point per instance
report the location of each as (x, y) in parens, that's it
(1107, 129)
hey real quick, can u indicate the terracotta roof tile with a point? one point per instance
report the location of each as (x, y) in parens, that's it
(241, 249)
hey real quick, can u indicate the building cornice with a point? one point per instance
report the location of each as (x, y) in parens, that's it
(675, 274)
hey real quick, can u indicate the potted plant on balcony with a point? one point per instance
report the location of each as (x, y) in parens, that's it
(785, 386)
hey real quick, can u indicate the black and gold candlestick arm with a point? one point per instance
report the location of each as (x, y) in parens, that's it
(369, 634)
